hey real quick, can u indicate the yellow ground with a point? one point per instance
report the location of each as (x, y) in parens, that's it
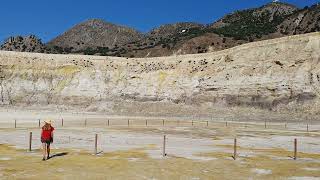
(135, 164)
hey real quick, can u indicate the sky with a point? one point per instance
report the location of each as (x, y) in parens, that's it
(49, 18)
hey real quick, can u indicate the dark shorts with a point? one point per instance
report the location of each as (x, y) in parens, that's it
(48, 142)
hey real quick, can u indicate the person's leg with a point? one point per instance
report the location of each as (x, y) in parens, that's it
(44, 150)
(48, 150)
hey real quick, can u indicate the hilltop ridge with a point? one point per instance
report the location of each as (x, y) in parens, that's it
(97, 37)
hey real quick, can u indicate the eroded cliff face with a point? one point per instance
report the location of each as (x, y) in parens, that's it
(280, 74)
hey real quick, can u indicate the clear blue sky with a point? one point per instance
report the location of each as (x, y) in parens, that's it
(49, 18)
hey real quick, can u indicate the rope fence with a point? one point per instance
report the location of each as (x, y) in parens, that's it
(16, 123)
(98, 143)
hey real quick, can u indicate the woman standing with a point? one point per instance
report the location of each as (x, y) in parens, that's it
(46, 139)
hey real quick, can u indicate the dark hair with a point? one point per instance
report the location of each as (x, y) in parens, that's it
(46, 126)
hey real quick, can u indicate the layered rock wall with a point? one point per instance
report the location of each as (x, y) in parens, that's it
(280, 74)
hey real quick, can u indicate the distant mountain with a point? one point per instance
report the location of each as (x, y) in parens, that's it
(304, 21)
(160, 41)
(177, 39)
(253, 23)
(234, 29)
(95, 33)
(168, 30)
(98, 37)
(23, 44)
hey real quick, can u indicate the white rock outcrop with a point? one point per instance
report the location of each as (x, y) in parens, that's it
(279, 74)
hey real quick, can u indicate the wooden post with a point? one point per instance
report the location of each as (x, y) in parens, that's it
(164, 146)
(30, 141)
(108, 123)
(39, 122)
(265, 124)
(146, 122)
(207, 123)
(295, 149)
(128, 123)
(96, 145)
(15, 123)
(226, 123)
(235, 149)
(307, 127)
(285, 125)
(162, 122)
(192, 122)
(62, 122)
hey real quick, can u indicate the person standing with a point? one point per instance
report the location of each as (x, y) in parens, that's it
(46, 138)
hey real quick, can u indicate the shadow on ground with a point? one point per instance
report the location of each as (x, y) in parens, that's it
(59, 155)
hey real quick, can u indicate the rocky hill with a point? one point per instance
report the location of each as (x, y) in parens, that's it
(23, 44)
(253, 23)
(279, 74)
(169, 30)
(304, 21)
(232, 30)
(95, 33)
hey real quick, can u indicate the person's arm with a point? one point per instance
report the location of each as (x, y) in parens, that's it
(41, 134)
(51, 136)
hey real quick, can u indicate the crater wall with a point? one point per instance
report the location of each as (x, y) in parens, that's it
(279, 75)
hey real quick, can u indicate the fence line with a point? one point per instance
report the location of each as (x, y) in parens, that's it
(164, 153)
(307, 127)
(30, 141)
(235, 149)
(96, 144)
(164, 146)
(295, 149)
